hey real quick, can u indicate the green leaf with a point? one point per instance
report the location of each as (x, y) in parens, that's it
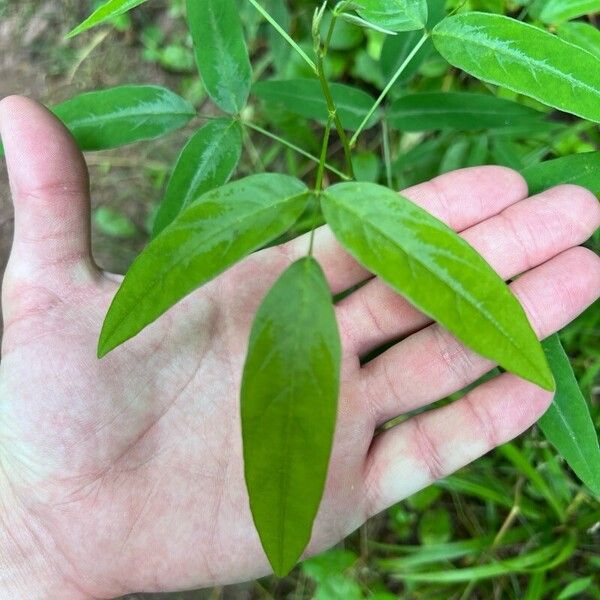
(221, 52)
(523, 464)
(419, 556)
(435, 526)
(555, 11)
(113, 223)
(304, 97)
(567, 424)
(524, 59)
(578, 169)
(367, 166)
(289, 406)
(211, 234)
(108, 10)
(457, 110)
(396, 48)
(395, 51)
(396, 15)
(576, 588)
(542, 558)
(123, 115)
(437, 271)
(207, 161)
(333, 562)
(581, 34)
(536, 586)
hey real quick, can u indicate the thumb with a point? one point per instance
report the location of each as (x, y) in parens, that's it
(50, 190)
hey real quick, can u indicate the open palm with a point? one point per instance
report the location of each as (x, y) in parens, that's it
(126, 474)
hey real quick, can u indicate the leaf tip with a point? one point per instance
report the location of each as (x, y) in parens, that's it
(283, 565)
(102, 350)
(546, 380)
(104, 344)
(75, 31)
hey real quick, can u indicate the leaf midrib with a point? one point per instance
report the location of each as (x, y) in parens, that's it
(364, 224)
(288, 421)
(178, 262)
(121, 115)
(543, 66)
(459, 111)
(574, 437)
(213, 145)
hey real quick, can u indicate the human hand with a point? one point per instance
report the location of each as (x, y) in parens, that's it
(126, 474)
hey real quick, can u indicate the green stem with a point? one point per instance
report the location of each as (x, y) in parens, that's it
(293, 147)
(320, 53)
(387, 155)
(330, 33)
(283, 34)
(388, 87)
(334, 114)
(324, 148)
(319, 180)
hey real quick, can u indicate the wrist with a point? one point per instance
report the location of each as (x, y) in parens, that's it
(27, 569)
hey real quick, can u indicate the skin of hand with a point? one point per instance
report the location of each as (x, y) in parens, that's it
(125, 474)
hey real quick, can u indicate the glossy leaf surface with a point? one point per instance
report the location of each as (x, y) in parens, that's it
(304, 97)
(395, 15)
(578, 169)
(123, 115)
(108, 10)
(289, 406)
(524, 59)
(457, 110)
(211, 234)
(437, 271)
(221, 52)
(567, 424)
(207, 161)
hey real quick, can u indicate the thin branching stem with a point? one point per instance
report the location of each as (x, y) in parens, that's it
(320, 175)
(284, 34)
(293, 147)
(387, 155)
(387, 88)
(321, 52)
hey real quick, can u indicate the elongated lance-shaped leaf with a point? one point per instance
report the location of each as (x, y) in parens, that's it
(543, 558)
(289, 406)
(207, 161)
(524, 59)
(438, 272)
(458, 110)
(221, 52)
(123, 115)
(304, 97)
(555, 11)
(395, 15)
(578, 169)
(211, 234)
(567, 424)
(108, 10)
